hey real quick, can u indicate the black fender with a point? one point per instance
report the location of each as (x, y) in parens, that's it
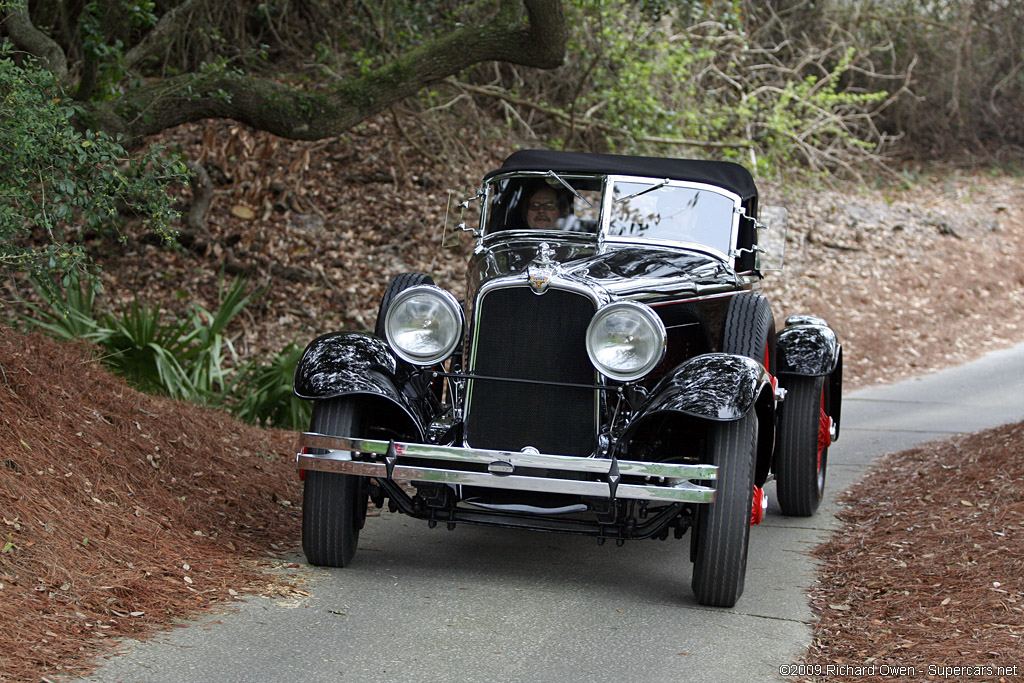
(713, 387)
(364, 366)
(808, 347)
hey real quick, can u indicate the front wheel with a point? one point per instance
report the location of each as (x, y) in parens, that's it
(333, 504)
(398, 284)
(723, 527)
(804, 435)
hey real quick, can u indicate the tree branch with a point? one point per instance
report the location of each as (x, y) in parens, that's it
(170, 25)
(539, 42)
(18, 25)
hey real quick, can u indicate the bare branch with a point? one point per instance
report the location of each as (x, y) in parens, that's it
(171, 25)
(584, 121)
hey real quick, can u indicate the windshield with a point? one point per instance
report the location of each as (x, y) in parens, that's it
(544, 202)
(668, 210)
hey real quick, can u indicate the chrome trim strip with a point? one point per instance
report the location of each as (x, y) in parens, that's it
(690, 299)
(676, 486)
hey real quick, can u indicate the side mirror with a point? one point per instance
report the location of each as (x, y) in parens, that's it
(771, 238)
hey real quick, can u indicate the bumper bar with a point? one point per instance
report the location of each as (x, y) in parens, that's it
(505, 470)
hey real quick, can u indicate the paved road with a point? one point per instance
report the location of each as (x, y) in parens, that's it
(483, 605)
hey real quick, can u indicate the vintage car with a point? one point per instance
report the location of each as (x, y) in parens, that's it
(613, 371)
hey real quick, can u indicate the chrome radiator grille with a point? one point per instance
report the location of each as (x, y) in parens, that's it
(522, 335)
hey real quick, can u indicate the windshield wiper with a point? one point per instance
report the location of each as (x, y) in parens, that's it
(552, 174)
(652, 188)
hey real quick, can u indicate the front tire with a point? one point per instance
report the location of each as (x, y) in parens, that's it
(749, 329)
(723, 527)
(333, 504)
(398, 284)
(803, 452)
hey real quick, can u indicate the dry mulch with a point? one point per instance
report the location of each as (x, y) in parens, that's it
(926, 570)
(122, 511)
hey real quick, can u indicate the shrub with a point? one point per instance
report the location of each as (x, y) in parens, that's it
(191, 359)
(57, 182)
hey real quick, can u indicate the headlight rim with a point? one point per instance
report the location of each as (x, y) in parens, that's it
(450, 303)
(648, 315)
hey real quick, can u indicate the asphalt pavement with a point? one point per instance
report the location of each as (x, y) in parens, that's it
(476, 604)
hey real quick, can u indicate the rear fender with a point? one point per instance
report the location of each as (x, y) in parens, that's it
(808, 347)
(364, 367)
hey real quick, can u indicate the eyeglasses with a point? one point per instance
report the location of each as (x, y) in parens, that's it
(546, 206)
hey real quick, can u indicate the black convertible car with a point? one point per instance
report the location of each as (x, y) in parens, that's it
(614, 372)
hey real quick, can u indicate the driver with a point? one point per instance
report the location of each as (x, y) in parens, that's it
(543, 209)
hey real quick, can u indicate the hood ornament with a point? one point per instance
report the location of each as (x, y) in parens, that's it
(543, 268)
(544, 255)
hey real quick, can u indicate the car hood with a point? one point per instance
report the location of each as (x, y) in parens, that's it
(623, 271)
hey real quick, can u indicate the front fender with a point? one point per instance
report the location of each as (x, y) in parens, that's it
(714, 386)
(355, 364)
(807, 349)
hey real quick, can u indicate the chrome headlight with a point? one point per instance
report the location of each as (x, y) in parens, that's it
(625, 340)
(423, 324)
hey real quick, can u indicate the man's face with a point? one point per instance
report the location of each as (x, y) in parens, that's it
(542, 211)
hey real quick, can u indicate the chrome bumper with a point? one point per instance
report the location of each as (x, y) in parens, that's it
(663, 481)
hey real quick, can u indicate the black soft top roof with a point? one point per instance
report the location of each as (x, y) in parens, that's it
(721, 173)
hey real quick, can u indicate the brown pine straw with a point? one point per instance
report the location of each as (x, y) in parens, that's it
(120, 511)
(926, 571)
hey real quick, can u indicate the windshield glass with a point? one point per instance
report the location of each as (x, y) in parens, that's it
(544, 202)
(664, 210)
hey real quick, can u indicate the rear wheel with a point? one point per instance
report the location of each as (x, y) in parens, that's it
(723, 527)
(333, 504)
(803, 447)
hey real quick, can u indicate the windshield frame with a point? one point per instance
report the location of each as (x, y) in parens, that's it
(607, 182)
(608, 200)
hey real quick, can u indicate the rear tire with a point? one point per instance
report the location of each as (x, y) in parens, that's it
(333, 504)
(800, 461)
(723, 527)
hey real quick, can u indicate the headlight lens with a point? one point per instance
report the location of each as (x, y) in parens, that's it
(423, 324)
(625, 340)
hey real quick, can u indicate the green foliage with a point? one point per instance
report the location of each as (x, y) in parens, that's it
(266, 393)
(56, 181)
(69, 311)
(807, 117)
(689, 78)
(190, 358)
(102, 27)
